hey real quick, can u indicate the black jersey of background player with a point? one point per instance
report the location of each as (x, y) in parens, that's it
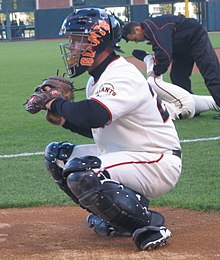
(170, 36)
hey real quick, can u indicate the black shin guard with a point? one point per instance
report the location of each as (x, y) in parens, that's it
(61, 151)
(115, 203)
(56, 173)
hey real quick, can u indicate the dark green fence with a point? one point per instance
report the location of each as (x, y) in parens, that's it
(48, 22)
(213, 11)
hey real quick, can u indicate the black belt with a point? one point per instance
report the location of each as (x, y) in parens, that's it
(177, 153)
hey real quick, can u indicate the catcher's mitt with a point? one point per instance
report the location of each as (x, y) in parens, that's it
(60, 87)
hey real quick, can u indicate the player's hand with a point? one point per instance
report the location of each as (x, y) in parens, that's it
(139, 54)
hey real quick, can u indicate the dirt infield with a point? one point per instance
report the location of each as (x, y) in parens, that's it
(141, 65)
(61, 233)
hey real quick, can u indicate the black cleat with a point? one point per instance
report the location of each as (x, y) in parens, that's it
(139, 54)
(151, 237)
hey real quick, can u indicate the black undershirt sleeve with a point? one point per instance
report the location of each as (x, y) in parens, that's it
(81, 116)
(78, 130)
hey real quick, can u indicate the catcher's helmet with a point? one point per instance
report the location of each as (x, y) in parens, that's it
(90, 30)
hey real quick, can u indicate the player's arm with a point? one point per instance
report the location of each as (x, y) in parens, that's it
(82, 115)
(78, 130)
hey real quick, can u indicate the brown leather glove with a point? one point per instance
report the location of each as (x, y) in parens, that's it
(59, 87)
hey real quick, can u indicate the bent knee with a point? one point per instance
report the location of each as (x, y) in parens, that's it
(188, 108)
(82, 182)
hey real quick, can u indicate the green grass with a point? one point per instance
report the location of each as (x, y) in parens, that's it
(24, 181)
(215, 39)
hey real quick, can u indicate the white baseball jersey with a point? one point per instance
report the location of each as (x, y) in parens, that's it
(179, 102)
(139, 122)
(136, 146)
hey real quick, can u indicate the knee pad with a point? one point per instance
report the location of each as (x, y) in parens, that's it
(79, 174)
(81, 164)
(60, 151)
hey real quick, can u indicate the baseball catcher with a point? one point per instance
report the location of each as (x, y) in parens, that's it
(135, 154)
(54, 87)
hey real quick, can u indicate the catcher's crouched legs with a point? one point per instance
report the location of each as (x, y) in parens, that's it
(59, 151)
(116, 204)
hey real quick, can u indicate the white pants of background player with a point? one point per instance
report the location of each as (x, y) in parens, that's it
(179, 102)
(150, 174)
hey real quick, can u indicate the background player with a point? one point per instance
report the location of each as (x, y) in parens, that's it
(181, 42)
(137, 152)
(179, 102)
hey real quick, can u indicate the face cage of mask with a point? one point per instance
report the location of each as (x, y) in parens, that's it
(66, 54)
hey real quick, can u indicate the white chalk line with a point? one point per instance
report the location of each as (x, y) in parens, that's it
(20, 155)
(41, 153)
(200, 140)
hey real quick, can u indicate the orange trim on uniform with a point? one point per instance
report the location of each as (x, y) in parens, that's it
(159, 28)
(133, 162)
(156, 38)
